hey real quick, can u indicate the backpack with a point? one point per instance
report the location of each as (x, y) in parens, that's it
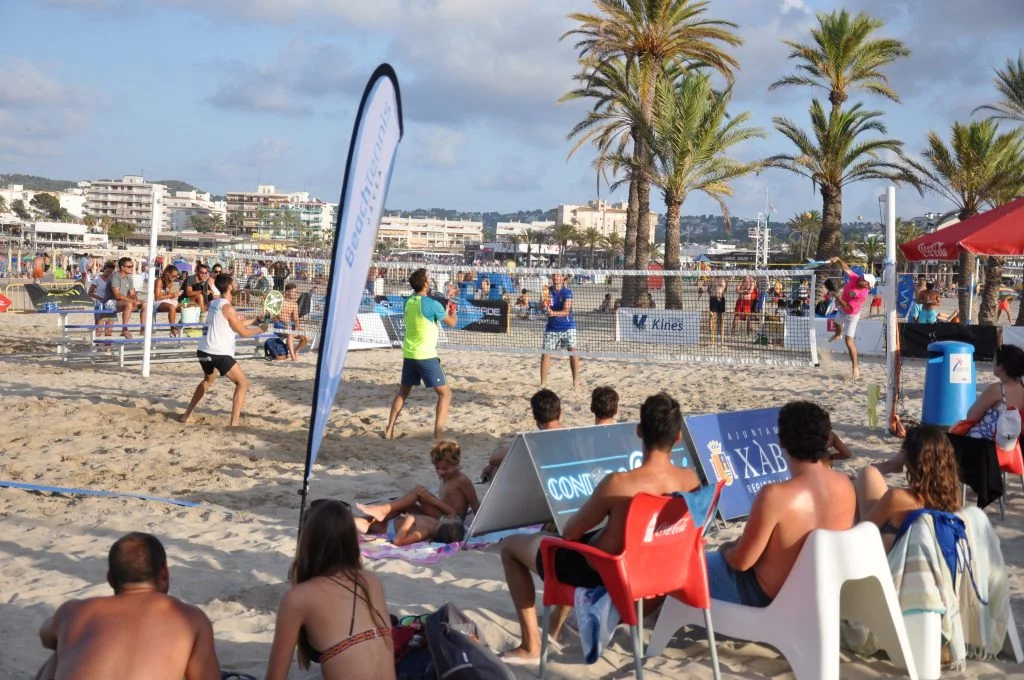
(304, 302)
(274, 347)
(456, 652)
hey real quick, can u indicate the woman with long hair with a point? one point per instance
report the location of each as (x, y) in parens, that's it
(1006, 392)
(932, 483)
(165, 295)
(335, 611)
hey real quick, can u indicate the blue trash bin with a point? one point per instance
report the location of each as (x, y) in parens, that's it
(949, 387)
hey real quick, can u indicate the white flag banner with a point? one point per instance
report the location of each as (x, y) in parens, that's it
(371, 158)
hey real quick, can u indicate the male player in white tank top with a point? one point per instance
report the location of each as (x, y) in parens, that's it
(217, 348)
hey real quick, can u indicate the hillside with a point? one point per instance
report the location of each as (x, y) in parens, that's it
(36, 183)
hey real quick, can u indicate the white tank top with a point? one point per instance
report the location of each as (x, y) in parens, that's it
(218, 338)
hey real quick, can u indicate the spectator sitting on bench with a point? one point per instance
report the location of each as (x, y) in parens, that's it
(99, 290)
(604, 404)
(165, 296)
(122, 291)
(198, 288)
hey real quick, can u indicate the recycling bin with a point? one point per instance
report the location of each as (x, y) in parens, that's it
(949, 383)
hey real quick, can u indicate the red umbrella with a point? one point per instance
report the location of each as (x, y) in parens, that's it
(996, 232)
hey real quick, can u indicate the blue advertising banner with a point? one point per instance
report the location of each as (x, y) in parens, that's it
(371, 158)
(741, 447)
(904, 294)
(549, 474)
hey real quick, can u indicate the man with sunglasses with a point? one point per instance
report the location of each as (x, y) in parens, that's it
(121, 289)
(198, 287)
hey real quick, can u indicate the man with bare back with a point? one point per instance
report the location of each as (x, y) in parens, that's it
(751, 570)
(138, 632)
(660, 429)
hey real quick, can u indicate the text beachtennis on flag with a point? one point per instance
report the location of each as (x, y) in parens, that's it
(371, 157)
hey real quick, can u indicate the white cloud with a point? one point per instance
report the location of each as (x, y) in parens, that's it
(37, 111)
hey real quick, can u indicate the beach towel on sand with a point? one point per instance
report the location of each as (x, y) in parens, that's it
(429, 552)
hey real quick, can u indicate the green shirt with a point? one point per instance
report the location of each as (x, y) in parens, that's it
(421, 316)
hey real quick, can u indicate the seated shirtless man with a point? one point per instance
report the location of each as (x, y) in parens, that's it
(751, 571)
(660, 429)
(138, 632)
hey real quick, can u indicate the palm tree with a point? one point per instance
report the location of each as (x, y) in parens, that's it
(689, 139)
(905, 232)
(1010, 83)
(529, 237)
(515, 240)
(542, 238)
(615, 244)
(837, 157)
(805, 226)
(874, 250)
(3, 205)
(645, 36)
(561, 235)
(848, 250)
(590, 238)
(844, 55)
(971, 172)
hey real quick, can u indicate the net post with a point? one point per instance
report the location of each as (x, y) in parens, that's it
(889, 291)
(813, 316)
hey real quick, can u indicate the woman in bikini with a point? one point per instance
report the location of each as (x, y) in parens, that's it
(932, 483)
(335, 611)
(165, 295)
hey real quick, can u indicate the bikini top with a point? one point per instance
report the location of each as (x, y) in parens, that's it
(352, 640)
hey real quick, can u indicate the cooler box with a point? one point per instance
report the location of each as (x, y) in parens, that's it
(949, 383)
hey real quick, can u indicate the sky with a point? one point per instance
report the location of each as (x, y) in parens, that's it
(228, 94)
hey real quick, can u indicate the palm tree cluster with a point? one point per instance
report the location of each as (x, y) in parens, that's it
(568, 237)
(655, 120)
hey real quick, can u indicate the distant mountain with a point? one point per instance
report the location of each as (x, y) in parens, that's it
(37, 183)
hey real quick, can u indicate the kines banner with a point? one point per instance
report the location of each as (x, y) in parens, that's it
(741, 447)
(657, 327)
(371, 158)
(72, 298)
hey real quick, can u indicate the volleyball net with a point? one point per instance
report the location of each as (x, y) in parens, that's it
(722, 316)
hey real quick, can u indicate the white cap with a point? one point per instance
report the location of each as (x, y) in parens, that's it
(870, 278)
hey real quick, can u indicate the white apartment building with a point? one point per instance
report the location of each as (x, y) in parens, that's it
(72, 200)
(272, 214)
(182, 205)
(608, 218)
(68, 235)
(130, 199)
(506, 229)
(429, 233)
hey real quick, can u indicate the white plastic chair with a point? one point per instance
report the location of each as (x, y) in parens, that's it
(838, 575)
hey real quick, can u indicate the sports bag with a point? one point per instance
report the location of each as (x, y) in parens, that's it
(275, 347)
(456, 651)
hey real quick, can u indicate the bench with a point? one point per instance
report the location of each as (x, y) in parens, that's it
(168, 349)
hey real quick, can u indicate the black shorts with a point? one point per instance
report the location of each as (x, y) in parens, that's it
(221, 362)
(572, 568)
(716, 305)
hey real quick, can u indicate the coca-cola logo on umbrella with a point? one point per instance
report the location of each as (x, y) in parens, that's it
(936, 251)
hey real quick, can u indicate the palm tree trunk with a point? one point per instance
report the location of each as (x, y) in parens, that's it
(830, 234)
(964, 289)
(643, 237)
(990, 293)
(673, 284)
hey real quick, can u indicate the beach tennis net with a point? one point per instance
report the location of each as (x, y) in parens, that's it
(761, 316)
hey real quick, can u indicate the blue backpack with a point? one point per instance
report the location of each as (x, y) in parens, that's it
(275, 347)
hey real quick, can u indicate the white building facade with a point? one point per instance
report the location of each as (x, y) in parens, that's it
(429, 233)
(130, 199)
(505, 230)
(607, 218)
(181, 205)
(72, 200)
(67, 235)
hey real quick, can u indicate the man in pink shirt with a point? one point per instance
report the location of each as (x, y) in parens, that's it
(850, 301)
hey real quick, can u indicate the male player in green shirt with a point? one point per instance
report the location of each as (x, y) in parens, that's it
(420, 362)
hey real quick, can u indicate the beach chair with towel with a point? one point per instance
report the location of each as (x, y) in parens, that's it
(839, 575)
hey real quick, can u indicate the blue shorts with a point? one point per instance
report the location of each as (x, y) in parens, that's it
(426, 371)
(727, 585)
(928, 316)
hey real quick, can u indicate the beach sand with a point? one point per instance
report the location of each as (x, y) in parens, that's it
(100, 427)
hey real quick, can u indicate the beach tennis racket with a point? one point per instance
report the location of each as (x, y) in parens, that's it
(273, 303)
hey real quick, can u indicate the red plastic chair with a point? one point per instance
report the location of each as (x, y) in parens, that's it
(663, 553)
(1010, 462)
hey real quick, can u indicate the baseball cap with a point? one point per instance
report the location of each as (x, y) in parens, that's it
(870, 278)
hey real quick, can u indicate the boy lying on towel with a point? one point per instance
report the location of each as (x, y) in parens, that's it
(422, 515)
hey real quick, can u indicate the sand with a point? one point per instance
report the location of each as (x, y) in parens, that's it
(97, 426)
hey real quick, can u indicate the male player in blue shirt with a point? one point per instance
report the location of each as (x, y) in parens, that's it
(560, 331)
